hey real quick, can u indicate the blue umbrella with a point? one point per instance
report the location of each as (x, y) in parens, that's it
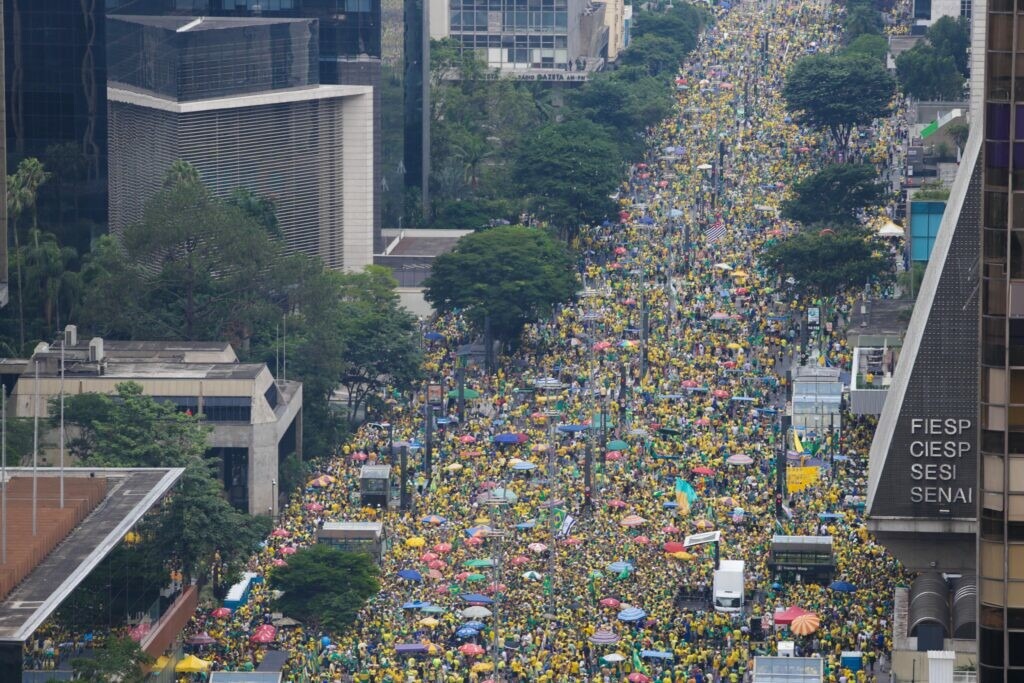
(325, 641)
(571, 429)
(657, 654)
(632, 614)
(411, 649)
(647, 220)
(466, 632)
(620, 566)
(506, 438)
(776, 586)
(410, 575)
(829, 515)
(523, 526)
(475, 625)
(670, 504)
(524, 466)
(433, 336)
(478, 598)
(842, 586)
(415, 604)
(474, 530)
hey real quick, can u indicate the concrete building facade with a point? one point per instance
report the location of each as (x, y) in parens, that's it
(264, 124)
(256, 419)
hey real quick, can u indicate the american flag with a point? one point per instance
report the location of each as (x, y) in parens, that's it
(715, 232)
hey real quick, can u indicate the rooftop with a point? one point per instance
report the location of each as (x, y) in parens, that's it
(130, 494)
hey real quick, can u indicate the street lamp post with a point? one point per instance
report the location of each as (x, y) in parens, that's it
(497, 503)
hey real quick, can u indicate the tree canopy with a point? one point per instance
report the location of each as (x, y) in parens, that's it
(825, 261)
(872, 45)
(325, 587)
(569, 170)
(925, 73)
(838, 92)
(118, 659)
(951, 36)
(514, 275)
(835, 194)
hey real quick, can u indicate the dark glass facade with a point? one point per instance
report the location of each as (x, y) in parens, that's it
(1001, 517)
(55, 63)
(214, 58)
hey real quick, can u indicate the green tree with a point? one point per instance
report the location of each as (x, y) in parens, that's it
(838, 92)
(194, 268)
(836, 193)
(352, 332)
(872, 45)
(118, 659)
(568, 171)
(514, 275)
(826, 261)
(261, 209)
(52, 287)
(925, 74)
(22, 194)
(958, 131)
(657, 54)
(325, 587)
(861, 21)
(951, 36)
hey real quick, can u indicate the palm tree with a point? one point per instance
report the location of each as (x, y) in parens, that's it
(473, 150)
(22, 193)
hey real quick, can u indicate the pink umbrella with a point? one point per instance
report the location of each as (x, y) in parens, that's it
(359, 456)
(609, 602)
(262, 637)
(467, 438)
(641, 540)
(617, 503)
(471, 650)
(720, 393)
(637, 677)
(670, 529)
(443, 588)
(437, 564)
(462, 576)
(520, 560)
(630, 521)
(313, 507)
(140, 631)
(278, 562)
(674, 547)
(435, 574)
(690, 384)
(496, 588)
(221, 613)
(537, 547)
(428, 557)
(475, 540)
(442, 548)
(280, 533)
(619, 251)
(288, 550)
(573, 540)
(703, 470)
(488, 485)
(613, 455)
(702, 422)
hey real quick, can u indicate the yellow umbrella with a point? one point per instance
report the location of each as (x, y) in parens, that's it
(454, 467)
(416, 542)
(739, 273)
(805, 624)
(429, 622)
(682, 555)
(191, 665)
(734, 346)
(160, 663)
(481, 667)
(482, 520)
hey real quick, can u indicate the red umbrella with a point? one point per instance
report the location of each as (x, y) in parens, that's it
(280, 533)
(703, 470)
(617, 503)
(471, 650)
(674, 547)
(520, 560)
(702, 422)
(221, 613)
(729, 364)
(642, 540)
(662, 183)
(442, 548)
(475, 540)
(467, 438)
(690, 384)
(619, 251)
(786, 617)
(670, 529)
(720, 393)
(609, 602)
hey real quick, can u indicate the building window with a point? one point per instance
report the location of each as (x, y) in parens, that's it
(183, 404)
(228, 408)
(271, 394)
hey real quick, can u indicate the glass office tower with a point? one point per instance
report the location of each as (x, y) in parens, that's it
(1001, 522)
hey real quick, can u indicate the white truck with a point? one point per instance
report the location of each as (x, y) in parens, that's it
(727, 586)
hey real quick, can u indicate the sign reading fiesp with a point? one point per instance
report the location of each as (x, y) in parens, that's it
(937, 452)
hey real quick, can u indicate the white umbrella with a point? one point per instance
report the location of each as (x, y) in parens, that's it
(614, 657)
(476, 612)
(723, 266)
(890, 229)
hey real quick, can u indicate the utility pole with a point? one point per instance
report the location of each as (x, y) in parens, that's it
(403, 499)
(460, 378)
(428, 441)
(588, 475)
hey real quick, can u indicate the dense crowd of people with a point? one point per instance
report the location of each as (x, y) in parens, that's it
(703, 383)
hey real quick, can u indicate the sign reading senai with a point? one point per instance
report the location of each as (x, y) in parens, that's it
(936, 454)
